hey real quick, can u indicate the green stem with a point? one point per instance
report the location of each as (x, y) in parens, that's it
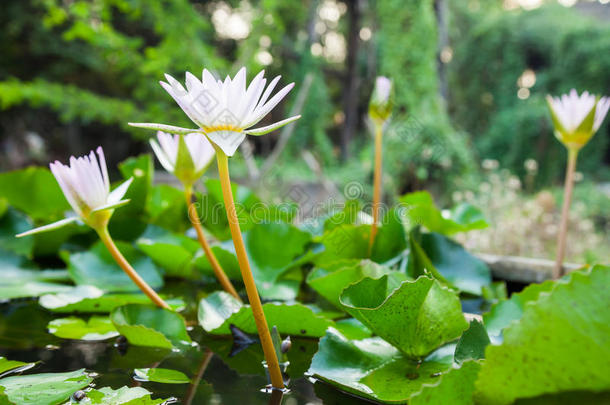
(558, 270)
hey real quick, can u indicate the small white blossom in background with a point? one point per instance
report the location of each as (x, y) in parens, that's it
(380, 106)
(187, 157)
(225, 110)
(86, 186)
(577, 118)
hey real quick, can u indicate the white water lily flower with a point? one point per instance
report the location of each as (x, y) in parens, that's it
(86, 186)
(224, 111)
(380, 106)
(576, 118)
(187, 157)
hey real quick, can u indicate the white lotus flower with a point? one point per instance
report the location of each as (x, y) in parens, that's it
(577, 118)
(225, 110)
(186, 156)
(86, 186)
(380, 106)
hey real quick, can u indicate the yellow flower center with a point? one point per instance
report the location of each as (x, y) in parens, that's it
(222, 127)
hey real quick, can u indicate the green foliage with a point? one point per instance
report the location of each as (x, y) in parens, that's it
(123, 395)
(95, 328)
(43, 389)
(492, 50)
(161, 375)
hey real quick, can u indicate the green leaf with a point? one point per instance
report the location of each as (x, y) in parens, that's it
(504, 312)
(172, 252)
(416, 317)
(454, 387)
(560, 344)
(161, 375)
(167, 208)
(220, 309)
(145, 325)
(472, 344)
(12, 223)
(25, 319)
(225, 254)
(12, 366)
(272, 249)
(128, 222)
(344, 242)
(419, 263)
(372, 368)
(96, 328)
(90, 299)
(353, 329)
(391, 238)
(463, 270)
(419, 209)
(468, 216)
(329, 282)
(121, 396)
(347, 216)
(34, 191)
(97, 267)
(44, 389)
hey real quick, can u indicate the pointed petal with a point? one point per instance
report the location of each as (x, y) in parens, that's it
(272, 127)
(163, 159)
(228, 141)
(112, 206)
(119, 192)
(162, 127)
(49, 227)
(260, 112)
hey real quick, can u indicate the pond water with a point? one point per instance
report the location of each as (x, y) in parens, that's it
(225, 378)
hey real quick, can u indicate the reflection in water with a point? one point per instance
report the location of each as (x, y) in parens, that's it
(190, 393)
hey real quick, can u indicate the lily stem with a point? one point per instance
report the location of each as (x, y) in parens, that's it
(124, 264)
(376, 184)
(558, 270)
(218, 271)
(273, 365)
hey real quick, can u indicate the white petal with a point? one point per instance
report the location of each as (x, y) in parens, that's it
(180, 96)
(118, 193)
(201, 150)
(59, 171)
(228, 141)
(260, 112)
(600, 113)
(162, 127)
(49, 227)
(111, 206)
(163, 159)
(272, 127)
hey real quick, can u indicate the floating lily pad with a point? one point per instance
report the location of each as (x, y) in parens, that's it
(172, 252)
(96, 267)
(44, 389)
(352, 329)
(96, 328)
(344, 242)
(161, 375)
(417, 317)
(329, 282)
(13, 222)
(121, 396)
(225, 254)
(472, 344)
(559, 344)
(145, 325)
(372, 368)
(167, 208)
(391, 238)
(454, 387)
(11, 366)
(463, 270)
(90, 299)
(220, 309)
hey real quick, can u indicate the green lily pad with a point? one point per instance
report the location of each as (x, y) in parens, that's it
(419, 209)
(13, 222)
(353, 329)
(225, 254)
(417, 317)
(172, 252)
(145, 325)
(34, 191)
(391, 238)
(90, 299)
(468, 216)
(97, 267)
(220, 309)
(44, 389)
(372, 368)
(454, 387)
(167, 208)
(559, 344)
(503, 312)
(344, 242)
(347, 216)
(128, 222)
(472, 344)
(96, 328)
(463, 270)
(121, 396)
(161, 375)
(11, 366)
(329, 282)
